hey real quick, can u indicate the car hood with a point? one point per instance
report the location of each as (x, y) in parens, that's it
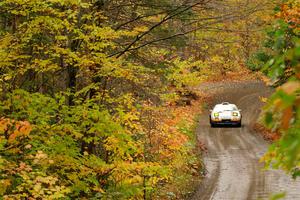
(225, 114)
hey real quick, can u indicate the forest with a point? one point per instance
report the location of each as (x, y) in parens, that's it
(95, 94)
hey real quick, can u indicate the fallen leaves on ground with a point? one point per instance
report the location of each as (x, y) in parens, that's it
(266, 133)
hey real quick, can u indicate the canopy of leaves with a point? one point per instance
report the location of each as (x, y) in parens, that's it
(85, 89)
(77, 103)
(283, 108)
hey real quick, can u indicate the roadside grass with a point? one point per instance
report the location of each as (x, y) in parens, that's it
(188, 166)
(241, 74)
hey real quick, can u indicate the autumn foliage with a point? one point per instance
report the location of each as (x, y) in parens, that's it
(96, 96)
(281, 113)
(14, 129)
(83, 116)
(290, 13)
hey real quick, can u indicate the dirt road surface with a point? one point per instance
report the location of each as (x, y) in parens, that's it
(232, 160)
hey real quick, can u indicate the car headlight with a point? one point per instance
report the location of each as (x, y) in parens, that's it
(216, 114)
(235, 114)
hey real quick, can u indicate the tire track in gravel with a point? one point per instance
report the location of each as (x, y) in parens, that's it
(232, 160)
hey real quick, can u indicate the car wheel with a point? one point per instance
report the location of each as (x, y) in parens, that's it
(212, 125)
(239, 124)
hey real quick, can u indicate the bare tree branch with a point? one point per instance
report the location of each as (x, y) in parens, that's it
(217, 19)
(175, 13)
(138, 18)
(151, 15)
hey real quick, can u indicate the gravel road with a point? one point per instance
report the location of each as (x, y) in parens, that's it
(232, 160)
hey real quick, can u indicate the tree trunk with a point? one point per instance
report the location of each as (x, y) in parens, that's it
(72, 72)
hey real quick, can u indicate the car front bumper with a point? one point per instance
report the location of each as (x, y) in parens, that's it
(226, 122)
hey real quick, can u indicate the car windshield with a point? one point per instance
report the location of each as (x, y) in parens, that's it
(221, 108)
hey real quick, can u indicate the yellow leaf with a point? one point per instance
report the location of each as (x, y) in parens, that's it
(290, 87)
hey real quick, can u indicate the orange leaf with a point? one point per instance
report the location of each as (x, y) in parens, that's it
(290, 87)
(286, 118)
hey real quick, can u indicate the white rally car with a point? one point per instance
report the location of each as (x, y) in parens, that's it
(225, 114)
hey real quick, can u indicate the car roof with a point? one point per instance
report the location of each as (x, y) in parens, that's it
(225, 106)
